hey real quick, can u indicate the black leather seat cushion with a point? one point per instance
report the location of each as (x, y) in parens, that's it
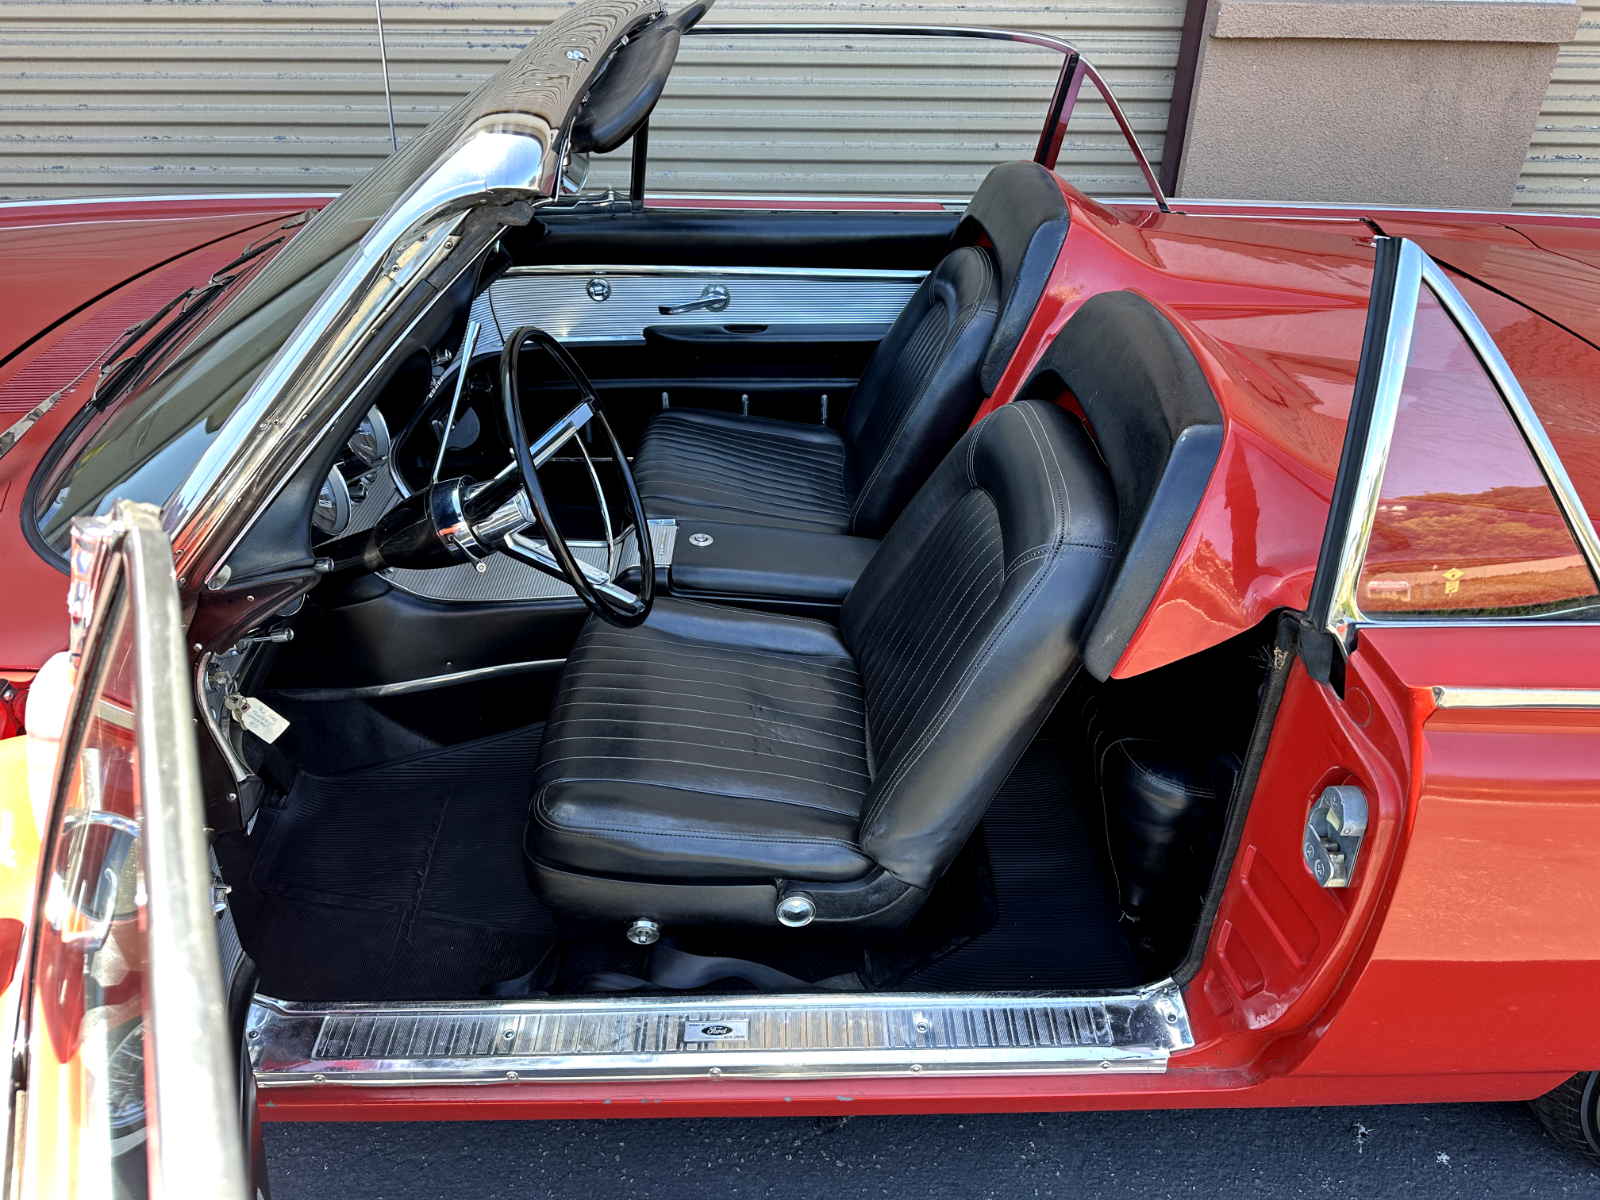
(914, 400)
(715, 747)
(706, 744)
(693, 462)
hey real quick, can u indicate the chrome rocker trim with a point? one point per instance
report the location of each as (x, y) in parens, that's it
(786, 1037)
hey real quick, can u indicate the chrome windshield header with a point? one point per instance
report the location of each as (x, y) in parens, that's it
(504, 145)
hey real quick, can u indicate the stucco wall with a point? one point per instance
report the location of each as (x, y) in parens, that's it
(1429, 102)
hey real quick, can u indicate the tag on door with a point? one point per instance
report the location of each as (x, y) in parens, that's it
(259, 719)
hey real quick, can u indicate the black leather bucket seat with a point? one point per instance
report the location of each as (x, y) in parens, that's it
(945, 352)
(712, 762)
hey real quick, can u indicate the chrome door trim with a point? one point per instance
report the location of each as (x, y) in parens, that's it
(199, 1147)
(1415, 270)
(1515, 697)
(810, 1035)
(192, 1107)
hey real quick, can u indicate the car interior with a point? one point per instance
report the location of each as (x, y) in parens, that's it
(867, 736)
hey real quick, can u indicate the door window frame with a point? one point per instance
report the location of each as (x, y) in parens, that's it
(122, 567)
(1401, 272)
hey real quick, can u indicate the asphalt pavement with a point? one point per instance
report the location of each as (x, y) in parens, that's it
(1415, 1151)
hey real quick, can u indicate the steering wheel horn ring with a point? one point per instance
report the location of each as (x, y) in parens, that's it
(596, 589)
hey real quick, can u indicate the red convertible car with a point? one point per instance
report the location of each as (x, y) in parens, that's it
(542, 649)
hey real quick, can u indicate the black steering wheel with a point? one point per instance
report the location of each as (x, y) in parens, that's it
(598, 589)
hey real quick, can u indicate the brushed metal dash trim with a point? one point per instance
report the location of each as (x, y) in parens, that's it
(1491, 697)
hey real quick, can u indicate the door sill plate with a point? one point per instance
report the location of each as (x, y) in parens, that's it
(770, 1037)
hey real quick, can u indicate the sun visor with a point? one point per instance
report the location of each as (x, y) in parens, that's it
(622, 98)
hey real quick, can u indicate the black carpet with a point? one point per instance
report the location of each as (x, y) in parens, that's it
(402, 881)
(1057, 924)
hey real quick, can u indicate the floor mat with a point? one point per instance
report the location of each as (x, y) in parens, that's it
(1057, 923)
(402, 881)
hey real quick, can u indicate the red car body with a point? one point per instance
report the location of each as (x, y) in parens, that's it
(1450, 969)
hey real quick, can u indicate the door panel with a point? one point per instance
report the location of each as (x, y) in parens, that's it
(1495, 918)
(1281, 942)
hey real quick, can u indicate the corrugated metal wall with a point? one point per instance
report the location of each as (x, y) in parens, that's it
(1563, 166)
(136, 96)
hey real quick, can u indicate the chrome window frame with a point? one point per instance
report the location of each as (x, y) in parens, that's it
(195, 1145)
(1335, 604)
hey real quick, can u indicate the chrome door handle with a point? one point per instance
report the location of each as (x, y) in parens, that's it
(714, 299)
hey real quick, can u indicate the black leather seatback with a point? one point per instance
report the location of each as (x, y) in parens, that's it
(1022, 212)
(966, 626)
(921, 388)
(1160, 429)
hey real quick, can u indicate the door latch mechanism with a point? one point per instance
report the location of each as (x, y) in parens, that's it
(1334, 831)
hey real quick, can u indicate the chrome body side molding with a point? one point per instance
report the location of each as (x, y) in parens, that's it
(1493, 697)
(827, 1035)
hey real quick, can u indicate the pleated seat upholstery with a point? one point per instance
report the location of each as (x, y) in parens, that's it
(699, 767)
(714, 466)
(943, 354)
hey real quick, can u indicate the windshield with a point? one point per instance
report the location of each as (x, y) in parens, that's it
(142, 443)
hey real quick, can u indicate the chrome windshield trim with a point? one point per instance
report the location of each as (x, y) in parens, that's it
(808, 1035)
(508, 147)
(1492, 697)
(1416, 271)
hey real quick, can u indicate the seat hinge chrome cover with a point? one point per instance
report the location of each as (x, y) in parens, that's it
(808, 1035)
(1334, 831)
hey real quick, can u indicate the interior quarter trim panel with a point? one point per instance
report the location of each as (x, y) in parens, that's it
(562, 301)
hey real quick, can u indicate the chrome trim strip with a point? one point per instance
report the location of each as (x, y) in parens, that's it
(734, 272)
(167, 199)
(194, 1113)
(1344, 609)
(1509, 213)
(426, 684)
(811, 1035)
(1491, 697)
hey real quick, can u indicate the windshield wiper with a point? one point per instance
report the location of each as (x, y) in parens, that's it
(188, 304)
